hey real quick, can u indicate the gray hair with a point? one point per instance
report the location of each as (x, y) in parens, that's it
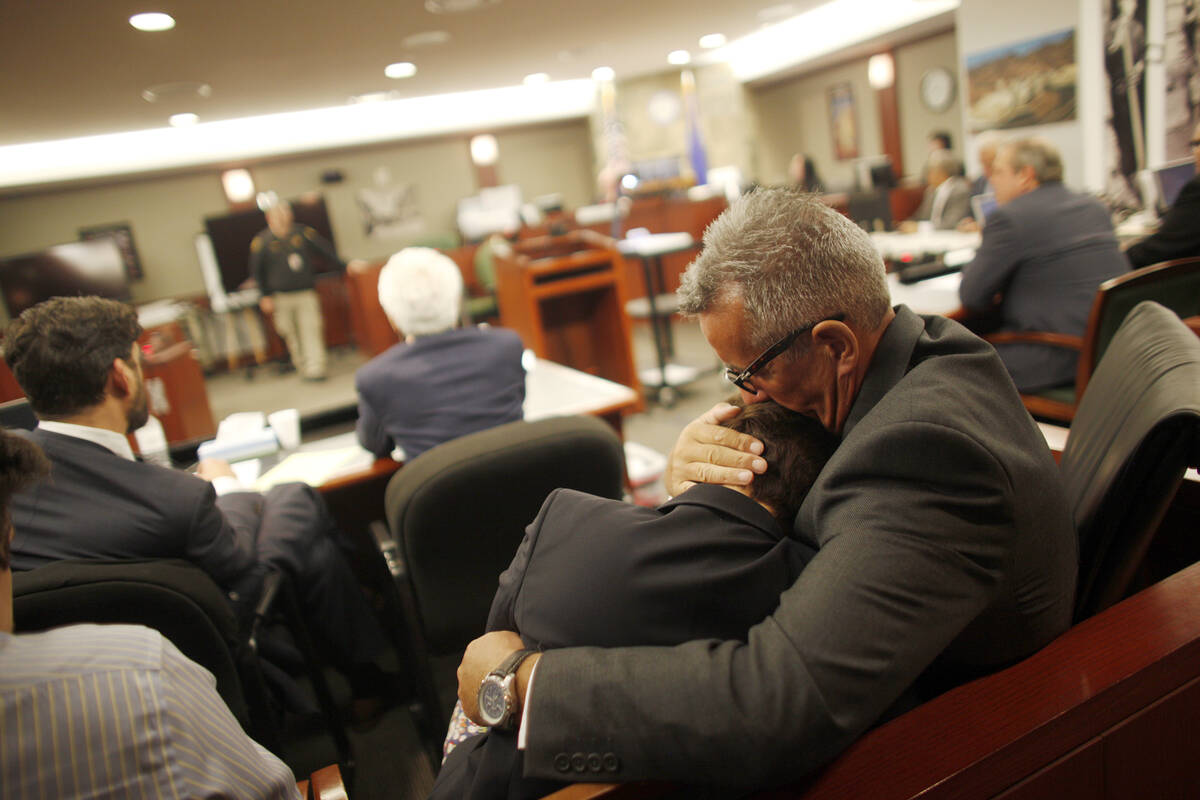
(989, 140)
(792, 260)
(945, 161)
(1038, 153)
(421, 291)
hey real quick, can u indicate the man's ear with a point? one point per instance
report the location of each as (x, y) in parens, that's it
(121, 378)
(841, 342)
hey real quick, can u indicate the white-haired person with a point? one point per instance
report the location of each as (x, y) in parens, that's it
(442, 380)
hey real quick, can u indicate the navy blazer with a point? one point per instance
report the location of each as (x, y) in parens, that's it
(438, 388)
(1178, 235)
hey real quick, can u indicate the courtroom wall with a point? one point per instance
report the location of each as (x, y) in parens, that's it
(793, 115)
(166, 212)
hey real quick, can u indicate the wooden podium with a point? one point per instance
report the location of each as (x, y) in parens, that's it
(565, 295)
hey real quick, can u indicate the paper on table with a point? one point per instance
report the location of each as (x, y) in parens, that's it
(315, 468)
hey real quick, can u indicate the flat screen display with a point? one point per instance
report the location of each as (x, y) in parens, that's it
(1171, 180)
(94, 267)
(231, 235)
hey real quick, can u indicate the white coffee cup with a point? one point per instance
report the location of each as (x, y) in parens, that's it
(286, 425)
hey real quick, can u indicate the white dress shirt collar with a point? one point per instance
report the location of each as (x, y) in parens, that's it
(110, 440)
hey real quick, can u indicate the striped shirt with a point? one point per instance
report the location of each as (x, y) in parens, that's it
(118, 711)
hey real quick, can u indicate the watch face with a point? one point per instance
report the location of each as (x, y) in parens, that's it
(492, 705)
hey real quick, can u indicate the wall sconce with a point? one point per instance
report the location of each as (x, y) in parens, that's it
(881, 71)
(484, 150)
(238, 185)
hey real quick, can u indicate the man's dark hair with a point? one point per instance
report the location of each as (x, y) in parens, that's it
(943, 137)
(21, 463)
(795, 447)
(61, 351)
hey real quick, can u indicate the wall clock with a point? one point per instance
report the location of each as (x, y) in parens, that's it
(937, 89)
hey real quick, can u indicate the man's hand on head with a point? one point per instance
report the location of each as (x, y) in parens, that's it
(211, 468)
(706, 452)
(481, 657)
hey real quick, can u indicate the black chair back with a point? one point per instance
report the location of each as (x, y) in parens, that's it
(1136, 431)
(458, 512)
(17, 414)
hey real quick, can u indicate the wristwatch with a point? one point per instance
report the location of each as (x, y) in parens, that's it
(498, 696)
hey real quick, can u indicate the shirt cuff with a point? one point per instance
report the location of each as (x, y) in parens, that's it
(522, 733)
(226, 484)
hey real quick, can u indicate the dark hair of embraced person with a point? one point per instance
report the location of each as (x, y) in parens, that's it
(21, 464)
(796, 447)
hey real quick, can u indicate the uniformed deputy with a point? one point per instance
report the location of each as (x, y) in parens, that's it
(281, 262)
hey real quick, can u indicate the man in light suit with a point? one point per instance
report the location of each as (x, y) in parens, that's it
(945, 548)
(442, 381)
(77, 359)
(947, 199)
(1044, 253)
(1178, 235)
(709, 563)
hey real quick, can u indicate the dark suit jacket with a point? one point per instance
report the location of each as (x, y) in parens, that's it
(1179, 234)
(708, 564)
(97, 505)
(956, 208)
(438, 388)
(944, 549)
(1045, 253)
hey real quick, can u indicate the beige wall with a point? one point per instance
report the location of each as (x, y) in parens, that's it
(166, 212)
(793, 115)
(917, 121)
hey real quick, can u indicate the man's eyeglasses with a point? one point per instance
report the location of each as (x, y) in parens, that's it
(739, 379)
(1195, 142)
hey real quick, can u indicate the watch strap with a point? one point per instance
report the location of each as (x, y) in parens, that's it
(511, 664)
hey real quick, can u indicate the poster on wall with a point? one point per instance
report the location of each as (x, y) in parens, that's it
(1023, 84)
(389, 210)
(1181, 55)
(843, 121)
(1125, 69)
(122, 234)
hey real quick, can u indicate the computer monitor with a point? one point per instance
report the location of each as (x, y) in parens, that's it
(1171, 179)
(92, 267)
(982, 205)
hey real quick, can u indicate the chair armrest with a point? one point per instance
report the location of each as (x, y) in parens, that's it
(1063, 340)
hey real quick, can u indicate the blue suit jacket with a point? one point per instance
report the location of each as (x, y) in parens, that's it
(438, 388)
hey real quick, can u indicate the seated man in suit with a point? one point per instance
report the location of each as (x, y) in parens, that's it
(947, 199)
(112, 710)
(1178, 235)
(1045, 251)
(709, 563)
(78, 361)
(443, 381)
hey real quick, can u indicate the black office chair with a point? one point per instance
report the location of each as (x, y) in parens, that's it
(1136, 431)
(457, 514)
(182, 602)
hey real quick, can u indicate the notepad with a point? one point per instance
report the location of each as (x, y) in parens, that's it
(315, 468)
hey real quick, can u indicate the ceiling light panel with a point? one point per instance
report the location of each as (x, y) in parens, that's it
(152, 21)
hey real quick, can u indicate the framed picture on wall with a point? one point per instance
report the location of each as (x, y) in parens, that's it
(122, 234)
(843, 121)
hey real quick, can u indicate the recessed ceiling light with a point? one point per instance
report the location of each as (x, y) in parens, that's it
(535, 78)
(776, 13)
(603, 74)
(425, 39)
(456, 6)
(679, 57)
(152, 21)
(183, 120)
(401, 69)
(710, 41)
